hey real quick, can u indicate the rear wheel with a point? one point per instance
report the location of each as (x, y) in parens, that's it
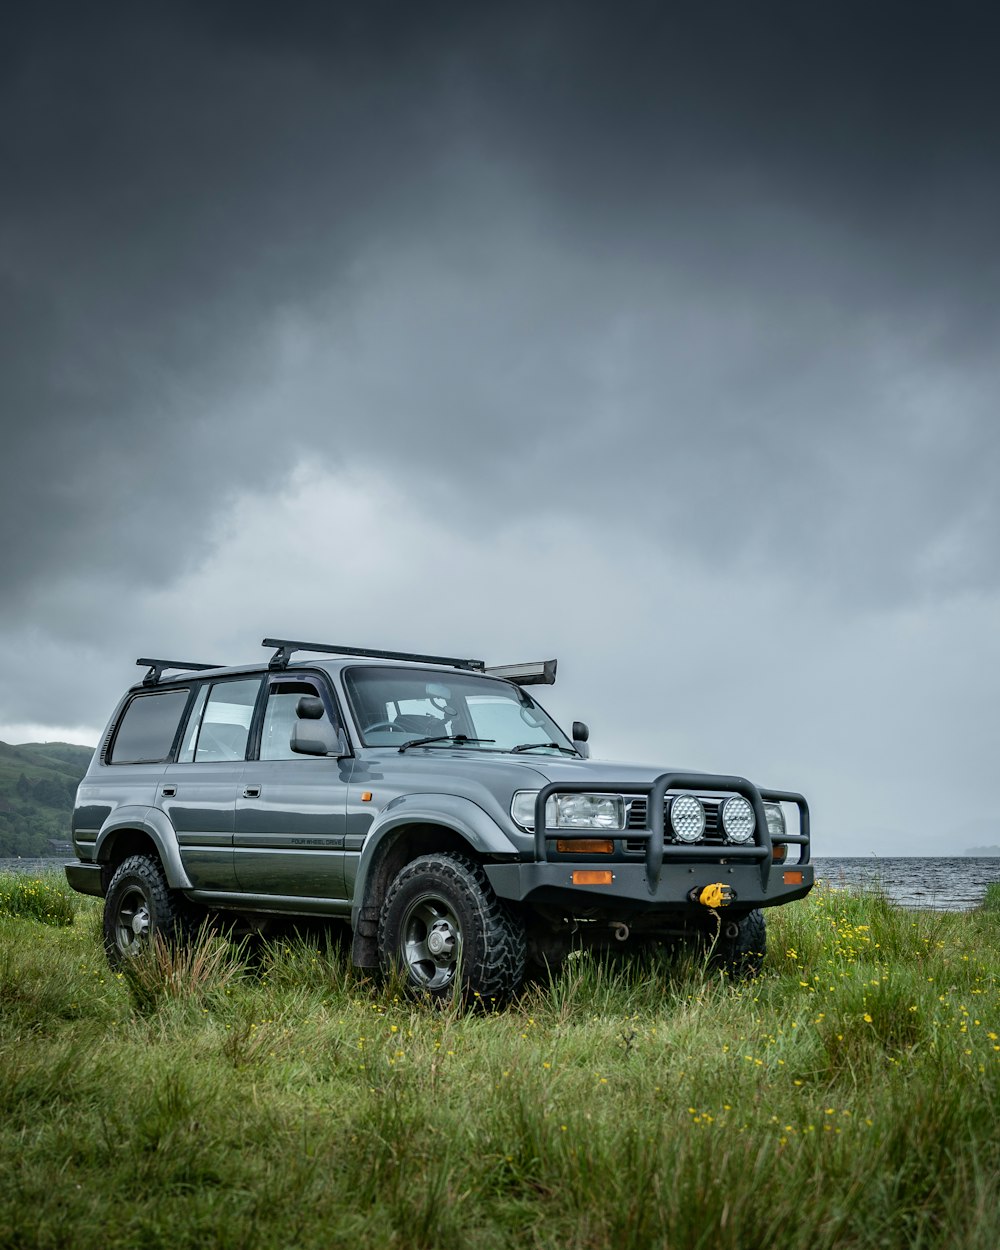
(139, 903)
(444, 929)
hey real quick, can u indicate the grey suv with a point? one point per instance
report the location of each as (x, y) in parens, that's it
(430, 802)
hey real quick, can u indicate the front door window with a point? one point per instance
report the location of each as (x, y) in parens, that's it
(279, 719)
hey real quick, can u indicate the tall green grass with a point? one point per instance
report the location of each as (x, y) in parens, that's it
(275, 1097)
(45, 898)
(992, 900)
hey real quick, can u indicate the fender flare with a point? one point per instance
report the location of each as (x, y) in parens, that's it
(154, 823)
(459, 815)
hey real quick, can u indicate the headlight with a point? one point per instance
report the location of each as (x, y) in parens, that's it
(775, 820)
(585, 811)
(687, 818)
(570, 811)
(738, 820)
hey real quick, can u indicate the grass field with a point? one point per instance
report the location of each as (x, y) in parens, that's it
(847, 1098)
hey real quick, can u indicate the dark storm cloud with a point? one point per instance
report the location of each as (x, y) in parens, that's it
(635, 262)
(158, 204)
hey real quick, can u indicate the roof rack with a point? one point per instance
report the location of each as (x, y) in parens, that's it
(286, 647)
(156, 668)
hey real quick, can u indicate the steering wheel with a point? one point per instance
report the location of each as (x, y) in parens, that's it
(386, 724)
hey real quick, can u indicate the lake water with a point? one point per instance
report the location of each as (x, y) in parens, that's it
(49, 864)
(941, 884)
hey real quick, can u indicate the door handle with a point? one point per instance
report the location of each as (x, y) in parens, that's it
(168, 792)
(251, 792)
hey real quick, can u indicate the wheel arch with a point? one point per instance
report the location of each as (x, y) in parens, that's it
(140, 831)
(394, 847)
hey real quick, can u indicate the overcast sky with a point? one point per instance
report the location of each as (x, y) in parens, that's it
(660, 338)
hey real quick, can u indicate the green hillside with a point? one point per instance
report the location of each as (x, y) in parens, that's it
(38, 783)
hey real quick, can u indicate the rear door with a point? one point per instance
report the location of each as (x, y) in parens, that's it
(199, 792)
(135, 761)
(291, 810)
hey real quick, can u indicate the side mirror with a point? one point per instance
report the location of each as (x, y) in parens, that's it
(581, 736)
(318, 738)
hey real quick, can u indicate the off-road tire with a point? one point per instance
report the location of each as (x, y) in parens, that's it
(139, 904)
(743, 955)
(482, 941)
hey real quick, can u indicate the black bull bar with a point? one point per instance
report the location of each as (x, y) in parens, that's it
(657, 848)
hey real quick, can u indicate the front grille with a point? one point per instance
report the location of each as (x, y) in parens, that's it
(636, 819)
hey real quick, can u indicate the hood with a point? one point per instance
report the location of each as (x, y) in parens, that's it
(564, 768)
(529, 769)
(519, 768)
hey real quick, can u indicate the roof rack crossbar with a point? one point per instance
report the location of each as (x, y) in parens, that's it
(286, 647)
(157, 667)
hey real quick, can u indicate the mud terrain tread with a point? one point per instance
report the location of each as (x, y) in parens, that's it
(494, 952)
(170, 913)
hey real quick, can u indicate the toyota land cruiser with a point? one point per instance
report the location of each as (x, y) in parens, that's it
(430, 802)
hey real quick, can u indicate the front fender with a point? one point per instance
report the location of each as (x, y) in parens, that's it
(450, 811)
(156, 826)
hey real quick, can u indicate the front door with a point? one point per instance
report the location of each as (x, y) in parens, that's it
(291, 810)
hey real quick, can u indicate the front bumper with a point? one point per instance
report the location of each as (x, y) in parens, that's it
(670, 870)
(553, 883)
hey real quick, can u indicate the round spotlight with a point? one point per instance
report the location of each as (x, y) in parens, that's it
(687, 818)
(738, 819)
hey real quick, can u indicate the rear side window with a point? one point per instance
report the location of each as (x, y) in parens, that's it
(221, 736)
(146, 731)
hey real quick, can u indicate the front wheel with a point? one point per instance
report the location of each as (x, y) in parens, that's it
(741, 953)
(139, 903)
(443, 928)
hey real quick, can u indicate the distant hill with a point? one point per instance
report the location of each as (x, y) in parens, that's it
(986, 852)
(38, 783)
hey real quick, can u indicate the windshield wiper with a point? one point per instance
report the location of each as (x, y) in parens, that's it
(460, 738)
(535, 746)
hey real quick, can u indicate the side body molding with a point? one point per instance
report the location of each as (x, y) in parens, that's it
(447, 811)
(154, 823)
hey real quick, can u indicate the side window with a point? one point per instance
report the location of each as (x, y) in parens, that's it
(146, 732)
(186, 754)
(225, 725)
(279, 718)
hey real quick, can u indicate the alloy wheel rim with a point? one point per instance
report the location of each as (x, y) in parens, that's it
(430, 942)
(133, 920)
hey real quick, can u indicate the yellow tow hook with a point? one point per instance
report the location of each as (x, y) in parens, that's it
(715, 895)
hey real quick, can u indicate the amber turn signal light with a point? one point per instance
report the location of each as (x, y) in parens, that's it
(793, 878)
(779, 853)
(585, 846)
(584, 876)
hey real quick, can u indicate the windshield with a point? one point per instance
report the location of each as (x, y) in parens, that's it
(393, 706)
